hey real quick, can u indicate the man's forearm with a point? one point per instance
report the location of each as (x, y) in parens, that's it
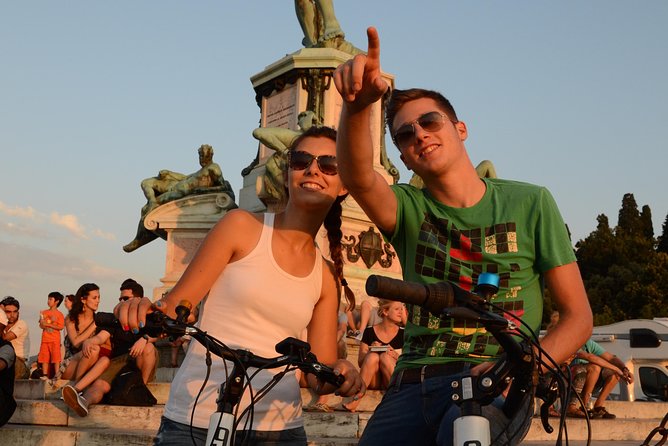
(565, 338)
(354, 148)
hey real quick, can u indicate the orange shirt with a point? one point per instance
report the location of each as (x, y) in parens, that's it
(53, 317)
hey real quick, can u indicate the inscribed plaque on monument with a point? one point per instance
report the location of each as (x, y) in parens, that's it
(280, 109)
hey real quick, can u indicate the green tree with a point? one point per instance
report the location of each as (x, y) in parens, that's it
(595, 252)
(662, 245)
(646, 222)
(624, 275)
(629, 217)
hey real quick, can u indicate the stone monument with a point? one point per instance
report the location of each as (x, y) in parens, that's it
(181, 209)
(301, 83)
(293, 93)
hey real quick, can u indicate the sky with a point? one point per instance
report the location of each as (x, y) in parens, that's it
(96, 96)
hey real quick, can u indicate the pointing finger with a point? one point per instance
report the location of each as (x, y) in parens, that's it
(373, 53)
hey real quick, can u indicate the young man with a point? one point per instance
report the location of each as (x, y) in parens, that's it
(7, 358)
(129, 289)
(594, 368)
(16, 332)
(455, 228)
(51, 321)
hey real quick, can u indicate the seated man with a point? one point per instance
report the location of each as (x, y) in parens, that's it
(7, 358)
(169, 186)
(594, 368)
(16, 331)
(127, 348)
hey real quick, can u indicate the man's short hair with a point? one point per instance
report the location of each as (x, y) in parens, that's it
(9, 300)
(136, 288)
(400, 97)
(58, 296)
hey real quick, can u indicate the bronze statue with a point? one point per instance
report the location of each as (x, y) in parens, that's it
(169, 186)
(321, 27)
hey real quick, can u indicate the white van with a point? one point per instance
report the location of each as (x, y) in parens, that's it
(643, 346)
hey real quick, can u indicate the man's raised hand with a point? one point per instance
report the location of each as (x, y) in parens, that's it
(359, 80)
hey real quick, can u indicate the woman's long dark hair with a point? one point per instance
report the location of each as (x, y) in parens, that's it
(78, 304)
(332, 219)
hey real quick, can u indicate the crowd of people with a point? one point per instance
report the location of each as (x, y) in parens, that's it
(86, 347)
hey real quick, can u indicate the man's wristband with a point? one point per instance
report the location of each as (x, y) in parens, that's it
(145, 337)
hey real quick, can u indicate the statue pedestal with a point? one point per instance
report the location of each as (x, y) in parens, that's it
(303, 81)
(186, 222)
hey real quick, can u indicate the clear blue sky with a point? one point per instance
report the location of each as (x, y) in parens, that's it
(96, 96)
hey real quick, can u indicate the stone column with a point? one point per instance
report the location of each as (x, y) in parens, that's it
(186, 222)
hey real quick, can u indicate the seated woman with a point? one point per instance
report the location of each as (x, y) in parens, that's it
(380, 348)
(80, 326)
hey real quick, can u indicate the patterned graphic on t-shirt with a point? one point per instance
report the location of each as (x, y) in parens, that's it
(447, 253)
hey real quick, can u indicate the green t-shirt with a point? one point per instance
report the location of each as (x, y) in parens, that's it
(592, 347)
(515, 231)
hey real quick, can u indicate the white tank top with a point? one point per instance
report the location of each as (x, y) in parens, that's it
(253, 305)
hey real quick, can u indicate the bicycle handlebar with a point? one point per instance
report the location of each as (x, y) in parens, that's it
(451, 301)
(292, 351)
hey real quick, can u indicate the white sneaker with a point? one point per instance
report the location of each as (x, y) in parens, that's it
(75, 400)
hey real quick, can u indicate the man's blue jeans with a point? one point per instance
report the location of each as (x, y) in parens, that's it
(423, 414)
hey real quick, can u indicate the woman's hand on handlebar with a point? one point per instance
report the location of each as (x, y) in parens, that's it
(353, 385)
(132, 313)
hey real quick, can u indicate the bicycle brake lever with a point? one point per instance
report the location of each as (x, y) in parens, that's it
(549, 394)
(545, 417)
(327, 374)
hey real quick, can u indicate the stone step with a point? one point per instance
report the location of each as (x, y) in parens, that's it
(40, 390)
(620, 429)
(18, 435)
(336, 425)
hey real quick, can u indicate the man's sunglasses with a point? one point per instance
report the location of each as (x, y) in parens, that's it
(300, 160)
(123, 298)
(430, 122)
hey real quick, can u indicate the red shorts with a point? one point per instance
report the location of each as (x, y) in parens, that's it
(104, 352)
(49, 352)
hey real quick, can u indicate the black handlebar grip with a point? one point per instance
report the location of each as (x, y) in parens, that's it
(434, 297)
(393, 289)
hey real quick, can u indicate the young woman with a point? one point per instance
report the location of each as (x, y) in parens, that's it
(265, 279)
(79, 326)
(380, 347)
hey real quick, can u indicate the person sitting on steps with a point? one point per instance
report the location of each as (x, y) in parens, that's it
(380, 348)
(594, 368)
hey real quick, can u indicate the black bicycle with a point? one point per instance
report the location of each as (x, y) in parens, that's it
(519, 368)
(224, 423)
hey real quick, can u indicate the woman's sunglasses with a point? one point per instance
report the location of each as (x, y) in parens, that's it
(430, 122)
(300, 160)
